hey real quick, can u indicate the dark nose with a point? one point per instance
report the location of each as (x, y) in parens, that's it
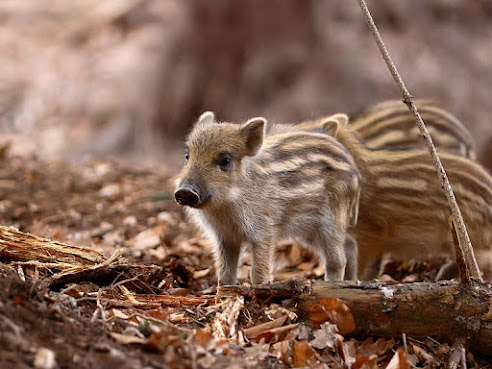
(187, 195)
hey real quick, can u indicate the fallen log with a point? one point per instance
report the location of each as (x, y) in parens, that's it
(445, 310)
(20, 246)
(65, 263)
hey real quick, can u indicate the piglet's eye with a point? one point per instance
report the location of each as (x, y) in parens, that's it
(225, 161)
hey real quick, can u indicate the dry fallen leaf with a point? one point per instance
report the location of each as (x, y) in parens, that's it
(421, 354)
(255, 331)
(202, 337)
(281, 351)
(364, 362)
(276, 334)
(399, 360)
(126, 339)
(168, 336)
(326, 336)
(148, 239)
(378, 348)
(303, 354)
(347, 351)
(276, 311)
(333, 310)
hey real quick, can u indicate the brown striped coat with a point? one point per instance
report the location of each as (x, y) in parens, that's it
(389, 125)
(403, 210)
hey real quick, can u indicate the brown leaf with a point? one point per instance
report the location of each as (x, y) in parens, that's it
(147, 239)
(333, 310)
(326, 336)
(399, 360)
(202, 337)
(276, 311)
(167, 336)
(363, 362)
(157, 313)
(255, 331)
(317, 314)
(347, 351)
(421, 354)
(378, 348)
(281, 351)
(276, 334)
(303, 354)
(127, 339)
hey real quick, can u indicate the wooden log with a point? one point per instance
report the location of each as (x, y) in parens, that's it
(445, 310)
(20, 246)
(138, 276)
(72, 263)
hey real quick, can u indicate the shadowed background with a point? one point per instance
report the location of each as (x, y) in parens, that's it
(126, 78)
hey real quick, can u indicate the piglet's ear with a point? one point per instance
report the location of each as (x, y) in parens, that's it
(332, 123)
(206, 118)
(253, 132)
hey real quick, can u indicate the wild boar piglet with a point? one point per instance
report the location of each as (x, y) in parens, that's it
(403, 211)
(244, 184)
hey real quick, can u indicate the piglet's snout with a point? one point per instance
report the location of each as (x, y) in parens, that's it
(187, 195)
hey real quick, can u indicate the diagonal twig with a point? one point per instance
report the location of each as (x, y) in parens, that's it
(464, 244)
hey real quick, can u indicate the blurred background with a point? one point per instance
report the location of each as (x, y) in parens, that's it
(126, 78)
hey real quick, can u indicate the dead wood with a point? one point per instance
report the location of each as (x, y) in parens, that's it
(444, 310)
(20, 246)
(65, 263)
(140, 276)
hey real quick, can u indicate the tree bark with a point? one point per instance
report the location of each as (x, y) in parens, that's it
(444, 310)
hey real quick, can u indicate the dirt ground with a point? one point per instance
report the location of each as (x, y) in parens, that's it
(85, 324)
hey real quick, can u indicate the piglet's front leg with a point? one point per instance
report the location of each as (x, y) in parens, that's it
(226, 262)
(352, 258)
(261, 267)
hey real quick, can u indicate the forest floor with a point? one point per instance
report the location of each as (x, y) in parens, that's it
(95, 323)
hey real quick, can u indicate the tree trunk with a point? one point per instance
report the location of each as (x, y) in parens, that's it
(444, 310)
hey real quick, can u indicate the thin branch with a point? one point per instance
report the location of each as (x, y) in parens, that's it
(462, 235)
(463, 268)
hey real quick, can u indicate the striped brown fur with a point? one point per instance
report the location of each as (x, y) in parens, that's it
(389, 124)
(403, 210)
(285, 183)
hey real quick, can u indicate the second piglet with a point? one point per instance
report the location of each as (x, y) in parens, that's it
(244, 186)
